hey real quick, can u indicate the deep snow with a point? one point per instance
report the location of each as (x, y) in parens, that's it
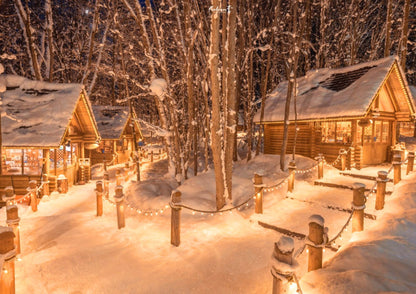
(67, 249)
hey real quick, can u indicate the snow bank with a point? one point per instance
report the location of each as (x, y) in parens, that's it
(380, 259)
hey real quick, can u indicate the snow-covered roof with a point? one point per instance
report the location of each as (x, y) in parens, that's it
(35, 113)
(111, 120)
(330, 93)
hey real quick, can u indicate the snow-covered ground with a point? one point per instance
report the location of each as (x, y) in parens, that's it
(67, 249)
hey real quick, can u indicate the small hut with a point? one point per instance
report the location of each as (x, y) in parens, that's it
(45, 128)
(356, 108)
(118, 129)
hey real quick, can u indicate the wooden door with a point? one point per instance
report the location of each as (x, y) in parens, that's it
(376, 138)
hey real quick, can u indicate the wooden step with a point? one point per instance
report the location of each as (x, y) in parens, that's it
(366, 177)
(340, 186)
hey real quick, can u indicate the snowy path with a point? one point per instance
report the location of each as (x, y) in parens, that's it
(67, 249)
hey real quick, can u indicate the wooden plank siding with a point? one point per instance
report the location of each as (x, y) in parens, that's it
(308, 142)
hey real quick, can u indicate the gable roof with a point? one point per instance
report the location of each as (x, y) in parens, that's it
(111, 120)
(334, 93)
(36, 113)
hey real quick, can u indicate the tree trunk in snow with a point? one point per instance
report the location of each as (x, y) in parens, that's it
(24, 17)
(405, 32)
(49, 30)
(231, 111)
(215, 92)
(387, 43)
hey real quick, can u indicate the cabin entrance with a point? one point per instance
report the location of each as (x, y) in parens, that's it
(375, 137)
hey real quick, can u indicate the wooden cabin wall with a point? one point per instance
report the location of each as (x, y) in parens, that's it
(308, 142)
(273, 139)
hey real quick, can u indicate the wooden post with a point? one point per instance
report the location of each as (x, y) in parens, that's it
(62, 183)
(105, 165)
(10, 196)
(283, 254)
(138, 168)
(12, 215)
(320, 166)
(343, 155)
(118, 177)
(350, 158)
(358, 203)
(258, 190)
(381, 189)
(291, 181)
(397, 167)
(7, 249)
(13, 222)
(410, 162)
(151, 156)
(33, 198)
(316, 238)
(106, 184)
(99, 193)
(175, 220)
(126, 171)
(119, 199)
(45, 185)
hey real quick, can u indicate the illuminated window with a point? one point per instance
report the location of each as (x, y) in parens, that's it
(385, 134)
(33, 161)
(343, 132)
(368, 133)
(12, 161)
(359, 134)
(328, 132)
(336, 132)
(377, 131)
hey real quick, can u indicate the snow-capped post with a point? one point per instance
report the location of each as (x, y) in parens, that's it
(358, 204)
(99, 193)
(8, 254)
(62, 182)
(151, 156)
(258, 190)
(9, 197)
(343, 155)
(45, 185)
(12, 215)
(119, 199)
(410, 162)
(320, 166)
(138, 168)
(33, 197)
(175, 222)
(118, 177)
(126, 171)
(291, 181)
(315, 242)
(381, 189)
(13, 222)
(283, 263)
(397, 167)
(106, 184)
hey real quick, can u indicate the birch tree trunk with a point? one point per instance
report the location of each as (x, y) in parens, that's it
(231, 111)
(215, 92)
(24, 17)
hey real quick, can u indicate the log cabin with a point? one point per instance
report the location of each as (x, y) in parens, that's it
(118, 129)
(45, 129)
(355, 108)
